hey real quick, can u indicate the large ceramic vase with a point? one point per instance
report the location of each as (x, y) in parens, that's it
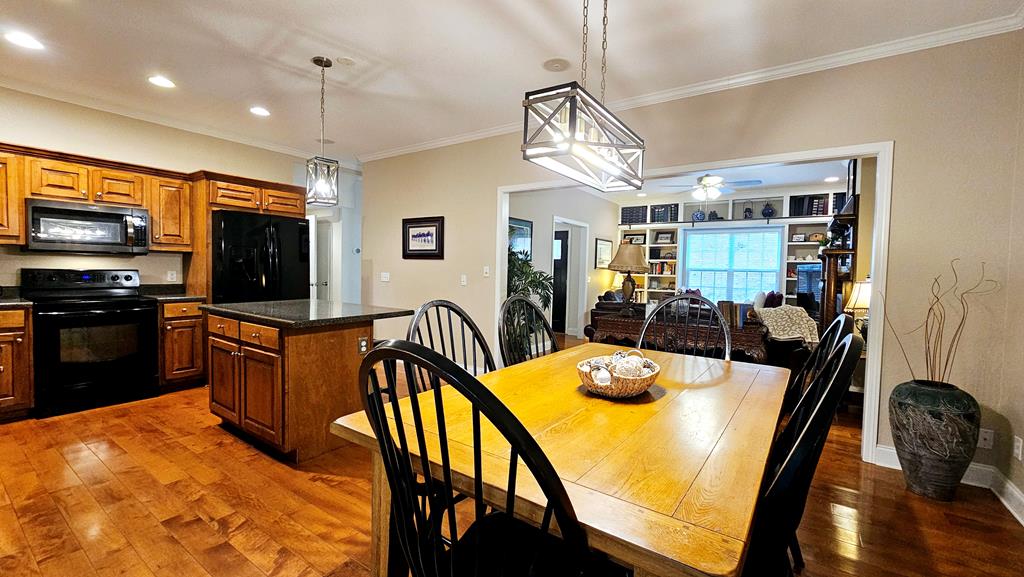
(935, 429)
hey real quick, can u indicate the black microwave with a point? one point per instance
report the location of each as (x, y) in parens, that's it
(74, 227)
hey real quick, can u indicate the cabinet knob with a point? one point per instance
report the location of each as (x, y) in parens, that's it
(167, 328)
(255, 335)
(85, 192)
(184, 309)
(99, 194)
(220, 326)
(18, 340)
(1, 368)
(156, 236)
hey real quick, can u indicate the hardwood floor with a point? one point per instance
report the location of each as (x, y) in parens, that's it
(157, 488)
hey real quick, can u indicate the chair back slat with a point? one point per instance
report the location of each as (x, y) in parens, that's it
(414, 445)
(689, 324)
(434, 326)
(524, 332)
(799, 385)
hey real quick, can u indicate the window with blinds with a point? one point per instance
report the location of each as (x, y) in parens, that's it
(733, 265)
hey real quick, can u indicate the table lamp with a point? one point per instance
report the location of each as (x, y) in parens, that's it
(860, 300)
(629, 259)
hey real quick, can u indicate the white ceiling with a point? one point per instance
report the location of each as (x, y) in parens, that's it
(429, 72)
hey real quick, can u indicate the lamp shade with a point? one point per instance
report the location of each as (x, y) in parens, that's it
(629, 258)
(860, 297)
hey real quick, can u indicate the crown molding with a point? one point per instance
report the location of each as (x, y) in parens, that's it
(1000, 25)
(161, 120)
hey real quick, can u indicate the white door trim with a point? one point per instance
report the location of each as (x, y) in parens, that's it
(883, 151)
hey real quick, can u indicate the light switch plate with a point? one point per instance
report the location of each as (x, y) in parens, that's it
(487, 271)
(172, 276)
(385, 277)
(1018, 446)
(462, 280)
(986, 438)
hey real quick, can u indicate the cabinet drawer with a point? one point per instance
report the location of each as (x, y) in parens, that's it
(284, 202)
(12, 319)
(176, 310)
(222, 326)
(259, 335)
(230, 194)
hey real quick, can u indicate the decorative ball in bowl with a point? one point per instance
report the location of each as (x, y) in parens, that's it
(621, 375)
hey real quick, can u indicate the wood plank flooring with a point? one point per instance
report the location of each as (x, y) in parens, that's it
(156, 488)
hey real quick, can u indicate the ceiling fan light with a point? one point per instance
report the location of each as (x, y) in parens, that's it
(700, 193)
(714, 192)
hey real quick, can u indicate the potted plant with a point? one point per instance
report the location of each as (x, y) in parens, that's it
(934, 423)
(527, 281)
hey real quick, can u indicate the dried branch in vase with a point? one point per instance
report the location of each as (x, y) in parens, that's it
(948, 307)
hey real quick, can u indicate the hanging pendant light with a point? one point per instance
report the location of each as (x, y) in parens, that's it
(567, 130)
(322, 172)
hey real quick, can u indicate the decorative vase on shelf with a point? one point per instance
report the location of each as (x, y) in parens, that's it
(935, 428)
(748, 211)
(698, 216)
(768, 211)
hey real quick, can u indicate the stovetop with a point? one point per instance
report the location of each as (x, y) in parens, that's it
(49, 284)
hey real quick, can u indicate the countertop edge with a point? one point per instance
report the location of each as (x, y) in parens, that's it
(305, 324)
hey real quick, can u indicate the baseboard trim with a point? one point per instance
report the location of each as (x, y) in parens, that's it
(978, 475)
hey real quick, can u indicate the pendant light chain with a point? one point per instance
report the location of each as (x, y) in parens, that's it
(604, 49)
(323, 86)
(586, 30)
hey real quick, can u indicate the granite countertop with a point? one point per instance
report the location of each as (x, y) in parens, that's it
(301, 314)
(177, 298)
(14, 303)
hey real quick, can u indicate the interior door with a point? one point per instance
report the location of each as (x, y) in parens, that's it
(560, 255)
(324, 256)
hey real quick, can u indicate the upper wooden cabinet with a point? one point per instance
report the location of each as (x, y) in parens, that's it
(284, 202)
(57, 180)
(11, 207)
(116, 186)
(229, 194)
(170, 208)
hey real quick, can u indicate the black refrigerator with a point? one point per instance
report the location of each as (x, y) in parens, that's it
(258, 257)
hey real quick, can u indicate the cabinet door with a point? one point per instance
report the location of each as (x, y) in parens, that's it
(183, 349)
(262, 395)
(171, 213)
(59, 180)
(231, 194)
(116, 186)
(15, 372)
(284, 202)
(223, 379)
(10, 198)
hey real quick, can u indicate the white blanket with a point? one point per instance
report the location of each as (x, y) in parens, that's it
(788, 322)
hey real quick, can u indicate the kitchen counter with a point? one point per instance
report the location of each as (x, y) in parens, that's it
(177, 298)
(15, 303)
(302, 314)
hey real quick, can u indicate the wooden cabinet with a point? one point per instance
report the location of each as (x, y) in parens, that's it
(11, 205)
(57, 180)
(231, 195)
(170, 210)
(115, 186)
(223, 378)
(262, 395)
(284, 202)
(17, 394)
(181, 343)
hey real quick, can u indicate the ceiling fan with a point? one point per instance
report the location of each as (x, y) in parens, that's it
(710, 187)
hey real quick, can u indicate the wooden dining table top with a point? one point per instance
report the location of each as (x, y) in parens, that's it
(666, 481)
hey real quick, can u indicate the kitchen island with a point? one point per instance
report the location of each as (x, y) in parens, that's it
(280, 372)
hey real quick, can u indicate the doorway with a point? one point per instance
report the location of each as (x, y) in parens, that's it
(560, 268)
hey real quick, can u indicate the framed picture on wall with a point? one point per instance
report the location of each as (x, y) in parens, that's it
(423, 238)
(664, 237)
(634, 237)
(520, 236)
(602, 253)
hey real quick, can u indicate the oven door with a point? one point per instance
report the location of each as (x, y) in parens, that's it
(73, 227)
(93, 354)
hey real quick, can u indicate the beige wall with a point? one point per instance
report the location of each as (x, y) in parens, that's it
(601, 215)
(44, 123)
(953, 113)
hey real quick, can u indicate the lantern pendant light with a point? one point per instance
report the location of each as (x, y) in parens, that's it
(567, 130)
(322, 172)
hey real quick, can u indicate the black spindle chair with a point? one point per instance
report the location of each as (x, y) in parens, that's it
(688, 324)
(840, 327)
(784, 494)
(444, 327)
(424, 523)
(523, 331)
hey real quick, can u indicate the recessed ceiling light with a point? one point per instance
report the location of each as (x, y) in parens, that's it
(344, 61)
(24, 40)
(832, 179)
(556, 65)
(161, 81)
(641, 194)
(259, 111)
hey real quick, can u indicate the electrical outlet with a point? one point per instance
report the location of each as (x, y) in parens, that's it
(462, 280)
(487, 271)
(385, 277)
(364, 345)
(986, 438)
(1018, 446)
(172, 276)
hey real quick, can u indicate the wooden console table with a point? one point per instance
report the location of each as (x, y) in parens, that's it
(747, 341)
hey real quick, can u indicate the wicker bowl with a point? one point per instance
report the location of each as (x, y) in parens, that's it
(621, 386)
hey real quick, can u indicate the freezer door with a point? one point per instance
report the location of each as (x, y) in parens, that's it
(289, 258)
(241, 257)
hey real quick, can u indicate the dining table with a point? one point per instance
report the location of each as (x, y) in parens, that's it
(665, 482)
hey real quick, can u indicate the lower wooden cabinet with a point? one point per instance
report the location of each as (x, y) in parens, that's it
(223, 378)
(262, 395)
(181, 343)
(17, 394)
